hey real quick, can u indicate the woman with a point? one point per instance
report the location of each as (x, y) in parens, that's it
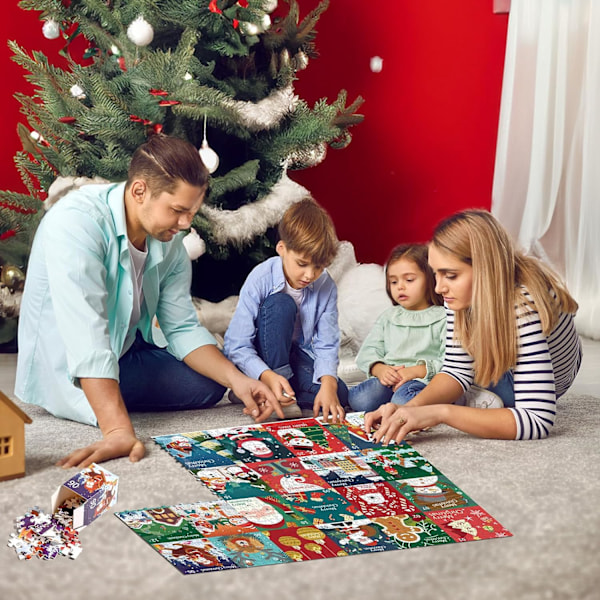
(510, 330)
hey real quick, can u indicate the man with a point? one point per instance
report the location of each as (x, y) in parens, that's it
(105, 260)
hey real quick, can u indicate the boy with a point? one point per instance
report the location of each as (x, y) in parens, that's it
(284, 331)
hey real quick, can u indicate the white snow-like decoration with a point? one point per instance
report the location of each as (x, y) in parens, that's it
(268, 112)
(61, 186)
(194, 244)
(241, 226)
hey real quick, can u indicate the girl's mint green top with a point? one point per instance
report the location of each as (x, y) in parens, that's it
(406, 337)
(76, 308)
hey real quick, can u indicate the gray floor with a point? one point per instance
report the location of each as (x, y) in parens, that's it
(587, 382)
(545, 492)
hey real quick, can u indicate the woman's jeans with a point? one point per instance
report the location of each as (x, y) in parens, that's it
(275, 329)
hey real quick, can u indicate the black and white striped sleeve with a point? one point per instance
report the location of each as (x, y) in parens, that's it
(458, 363)
(534, 383)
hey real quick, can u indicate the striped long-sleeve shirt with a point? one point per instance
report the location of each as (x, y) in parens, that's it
(546, 367)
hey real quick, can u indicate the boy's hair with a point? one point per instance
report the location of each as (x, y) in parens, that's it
(164, 161)
(416, 253)
(500, 271)
(307, 228)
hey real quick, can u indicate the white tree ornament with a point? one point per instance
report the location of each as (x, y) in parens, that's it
(140, 32)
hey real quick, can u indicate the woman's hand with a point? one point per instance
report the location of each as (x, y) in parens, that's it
(393, 422)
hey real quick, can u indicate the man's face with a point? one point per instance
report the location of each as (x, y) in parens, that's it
(164, 215)
(299, 270)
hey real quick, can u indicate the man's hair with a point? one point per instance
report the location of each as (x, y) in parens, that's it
(164, 161)
(416, 253)
(501, 272)
(307, 228)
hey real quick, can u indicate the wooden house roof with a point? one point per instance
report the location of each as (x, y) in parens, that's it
(8, 402)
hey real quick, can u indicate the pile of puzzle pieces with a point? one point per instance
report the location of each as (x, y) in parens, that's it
(75, 504)
(47, 536)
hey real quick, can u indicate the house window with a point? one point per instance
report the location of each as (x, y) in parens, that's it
(6, 446)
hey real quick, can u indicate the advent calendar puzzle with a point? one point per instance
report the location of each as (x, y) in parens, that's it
(304, 490)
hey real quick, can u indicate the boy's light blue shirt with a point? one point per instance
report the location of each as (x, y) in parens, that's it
(318, 315)
(78, 297)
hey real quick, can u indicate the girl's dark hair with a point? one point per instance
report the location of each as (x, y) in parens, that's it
(417, 253)
(164, 161)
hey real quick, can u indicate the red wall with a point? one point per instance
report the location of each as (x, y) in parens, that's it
(426, 147)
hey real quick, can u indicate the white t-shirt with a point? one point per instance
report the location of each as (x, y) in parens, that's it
(297, 296)
(138, 262)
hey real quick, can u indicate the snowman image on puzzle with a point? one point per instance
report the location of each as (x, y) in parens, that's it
(296, 438)
(429, 493)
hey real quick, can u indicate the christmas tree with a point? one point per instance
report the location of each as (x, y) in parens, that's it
(218, 73)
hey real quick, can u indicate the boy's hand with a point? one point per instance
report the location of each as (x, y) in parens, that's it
(278, 384)
(259, 400)
(327, 401)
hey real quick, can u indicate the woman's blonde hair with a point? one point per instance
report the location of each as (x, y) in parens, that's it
(501, 274)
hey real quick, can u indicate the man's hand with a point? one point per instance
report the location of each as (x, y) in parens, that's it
(259, 400)
(115, 444)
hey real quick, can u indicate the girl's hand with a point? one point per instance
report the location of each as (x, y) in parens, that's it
(387, 375)
(409, 373)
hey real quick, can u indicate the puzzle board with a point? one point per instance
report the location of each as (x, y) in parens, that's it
(302, 490)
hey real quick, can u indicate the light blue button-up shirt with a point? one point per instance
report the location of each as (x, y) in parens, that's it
(318, 315)
(76, 307)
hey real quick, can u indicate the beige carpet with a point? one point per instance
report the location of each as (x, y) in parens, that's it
(547, 493)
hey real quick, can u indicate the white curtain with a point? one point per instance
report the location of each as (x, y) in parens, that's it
(547, 175)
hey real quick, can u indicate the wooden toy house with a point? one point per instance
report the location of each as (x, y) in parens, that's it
(12, 439)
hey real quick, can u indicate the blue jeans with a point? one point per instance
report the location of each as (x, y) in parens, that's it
(274, 333)
(151, 379)
(505, 389)
(371, 394)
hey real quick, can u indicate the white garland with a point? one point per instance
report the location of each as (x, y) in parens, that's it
(266, 113)
(241, 226)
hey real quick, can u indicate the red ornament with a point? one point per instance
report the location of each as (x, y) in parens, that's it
(121, 62)
(235, 23)
(168, 102)
(8, 234)
(156, 92)
(67, 120)
(214, 8)
(157, 128)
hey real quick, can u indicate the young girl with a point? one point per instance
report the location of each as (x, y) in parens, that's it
(510, 329)
(404, 349)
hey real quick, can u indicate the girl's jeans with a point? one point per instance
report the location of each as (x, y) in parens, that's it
(371, 394)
